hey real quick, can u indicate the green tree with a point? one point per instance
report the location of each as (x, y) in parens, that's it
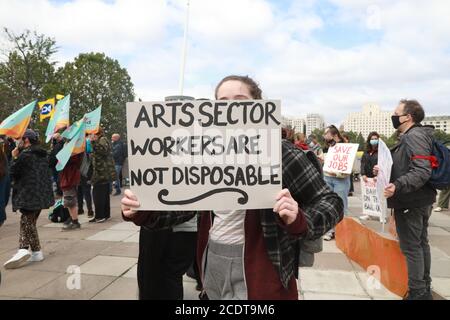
(27, 72)
(353, 136)
(361, 141)
(94, 79)
(319, 134)
(441, 136)
(391, 141)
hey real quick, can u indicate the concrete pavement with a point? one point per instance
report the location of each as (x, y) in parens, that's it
(99, 262)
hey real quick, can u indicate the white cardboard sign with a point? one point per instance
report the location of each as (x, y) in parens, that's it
(205, 155)
(370, 200)
(340, 158)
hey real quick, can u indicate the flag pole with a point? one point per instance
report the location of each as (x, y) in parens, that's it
(184, 50)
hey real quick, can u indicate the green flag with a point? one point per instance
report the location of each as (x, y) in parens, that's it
(60, 119)
(73, 147)
(93, 120)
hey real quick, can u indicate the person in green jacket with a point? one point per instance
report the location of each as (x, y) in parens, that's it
(103, 174)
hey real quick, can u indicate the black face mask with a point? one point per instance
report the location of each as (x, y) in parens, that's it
(330, 142)
(396, 121)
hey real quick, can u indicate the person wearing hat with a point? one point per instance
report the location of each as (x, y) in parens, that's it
(32, 192)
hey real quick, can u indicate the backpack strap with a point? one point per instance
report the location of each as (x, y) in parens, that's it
(432, 159)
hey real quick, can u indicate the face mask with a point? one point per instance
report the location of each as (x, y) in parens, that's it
(331, 142)
(311, 144)
(396, 121)
(374, 142)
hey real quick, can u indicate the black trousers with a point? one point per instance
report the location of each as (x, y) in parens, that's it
(164, 257)
(352, 177)
(84, 192)
(412, 230)
(100, 193)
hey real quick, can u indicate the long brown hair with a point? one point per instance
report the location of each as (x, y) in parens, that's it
(335, 132)
(253, 87)
(369, 137)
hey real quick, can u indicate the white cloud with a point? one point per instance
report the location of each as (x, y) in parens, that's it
(274, 43)
(410, 60)
(121, 27)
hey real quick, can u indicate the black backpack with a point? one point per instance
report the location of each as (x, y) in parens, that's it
(86, 167)
(440, 165)
(59, 213)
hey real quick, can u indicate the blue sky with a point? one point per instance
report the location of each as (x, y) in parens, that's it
(329, 56)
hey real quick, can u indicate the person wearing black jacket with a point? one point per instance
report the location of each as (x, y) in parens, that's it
(32, 192)
(119, 152)
(410, 196)
(369, 160)
(370, 157)
(57, 145)
(11, 146)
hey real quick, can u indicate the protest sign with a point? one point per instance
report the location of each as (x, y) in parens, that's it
(370, 200)
(384, 164)
(340, 158)
(384, 173)
(204, 155)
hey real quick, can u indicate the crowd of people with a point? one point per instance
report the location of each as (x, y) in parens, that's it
(233, 254)
(259, 261)
(247, 254)
(31, 172)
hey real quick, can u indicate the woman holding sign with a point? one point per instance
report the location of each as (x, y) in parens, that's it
(338, 182)
(369, 160)
(251, 254)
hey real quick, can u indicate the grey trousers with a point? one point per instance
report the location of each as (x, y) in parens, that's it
(224, 272)
(444, 198)
(412, 225)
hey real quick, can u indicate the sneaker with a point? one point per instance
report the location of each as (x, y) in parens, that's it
(329, 236)
(18, 260)
(437, 209)
(93, 220)
(101, 220)
(90, 214)
(364, 217)
(117, 193)
(71, 226)
(36, 256)
(80, 212)
(68, 221)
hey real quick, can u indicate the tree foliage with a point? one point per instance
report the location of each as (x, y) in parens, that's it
(94, 79)
(28, 72)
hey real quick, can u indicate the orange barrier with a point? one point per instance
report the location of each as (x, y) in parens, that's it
(367, 247)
